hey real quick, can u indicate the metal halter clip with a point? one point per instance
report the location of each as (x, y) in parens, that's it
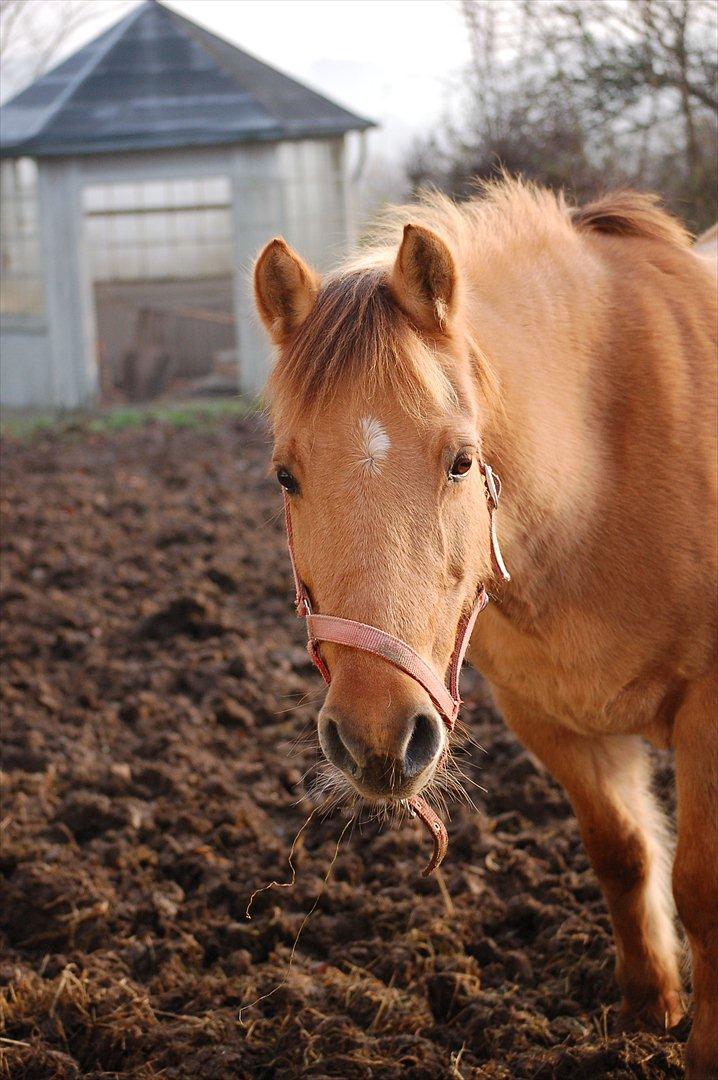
(493, 485)
(493, 490)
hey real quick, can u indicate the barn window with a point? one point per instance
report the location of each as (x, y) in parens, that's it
(20, 255)
(159, 229)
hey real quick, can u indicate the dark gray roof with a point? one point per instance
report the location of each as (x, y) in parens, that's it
(158, 80)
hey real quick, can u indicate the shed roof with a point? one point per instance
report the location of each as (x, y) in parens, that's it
(157, 80)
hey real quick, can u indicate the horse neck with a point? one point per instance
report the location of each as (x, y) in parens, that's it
(537, 317)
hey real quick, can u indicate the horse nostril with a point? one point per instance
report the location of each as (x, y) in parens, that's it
(423, 745)
(418, 742)
(335, 749)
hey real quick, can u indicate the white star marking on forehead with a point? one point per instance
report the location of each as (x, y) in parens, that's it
(373, 445)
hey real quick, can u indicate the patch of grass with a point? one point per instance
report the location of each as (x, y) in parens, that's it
(115, 420)
(197, 415)
(23, 425)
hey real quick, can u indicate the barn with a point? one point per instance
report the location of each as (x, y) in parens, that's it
(139, 177)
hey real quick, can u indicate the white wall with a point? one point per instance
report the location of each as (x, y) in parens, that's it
(315, 199)
(25, 366)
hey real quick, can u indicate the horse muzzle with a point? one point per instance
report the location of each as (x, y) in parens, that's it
(411, 748)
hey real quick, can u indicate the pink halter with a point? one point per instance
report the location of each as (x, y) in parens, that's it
(370, 639)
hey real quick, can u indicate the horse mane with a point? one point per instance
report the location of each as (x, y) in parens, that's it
(357, 336)
(631, 213)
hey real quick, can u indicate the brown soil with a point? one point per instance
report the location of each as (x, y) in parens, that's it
(155, 687)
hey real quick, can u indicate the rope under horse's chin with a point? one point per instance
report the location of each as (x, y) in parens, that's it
(371, 639)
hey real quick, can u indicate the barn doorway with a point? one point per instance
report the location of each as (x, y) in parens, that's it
(161, 258)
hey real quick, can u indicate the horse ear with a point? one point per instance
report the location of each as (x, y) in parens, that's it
(285, 290)
(424, 278)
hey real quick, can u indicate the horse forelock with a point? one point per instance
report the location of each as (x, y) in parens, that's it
(357, 340)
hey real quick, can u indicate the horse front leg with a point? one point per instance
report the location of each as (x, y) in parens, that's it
(695, 872)
(607, 779)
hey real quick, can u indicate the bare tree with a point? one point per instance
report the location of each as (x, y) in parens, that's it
(646, 71)
(587, 94)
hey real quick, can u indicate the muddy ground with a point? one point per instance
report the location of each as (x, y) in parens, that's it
(158, 731)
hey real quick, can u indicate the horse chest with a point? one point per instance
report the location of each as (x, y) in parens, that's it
(571, 675)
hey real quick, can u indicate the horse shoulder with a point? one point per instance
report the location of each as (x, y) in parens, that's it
(631, 617)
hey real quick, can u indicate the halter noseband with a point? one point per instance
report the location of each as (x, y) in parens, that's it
(370, 639)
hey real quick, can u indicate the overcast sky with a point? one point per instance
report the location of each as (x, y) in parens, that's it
(395, 61)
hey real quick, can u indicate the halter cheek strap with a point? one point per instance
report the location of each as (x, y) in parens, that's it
(371, 639)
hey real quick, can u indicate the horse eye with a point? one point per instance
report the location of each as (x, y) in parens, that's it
(287, 481)
(461, 465)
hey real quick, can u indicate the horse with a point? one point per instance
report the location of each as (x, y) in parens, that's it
(574, 350)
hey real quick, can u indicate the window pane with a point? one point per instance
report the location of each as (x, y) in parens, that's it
(20, 255)
(159, 229)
